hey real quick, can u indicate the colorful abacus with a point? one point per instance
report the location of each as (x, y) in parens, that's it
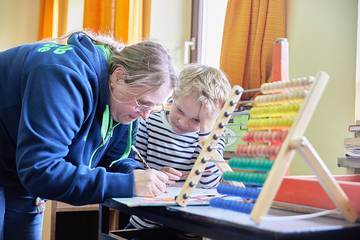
(282, 127)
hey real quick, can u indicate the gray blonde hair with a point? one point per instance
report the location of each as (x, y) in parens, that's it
(146, 64)
(204, 83)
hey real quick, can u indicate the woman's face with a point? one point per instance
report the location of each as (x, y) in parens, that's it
(122, 101)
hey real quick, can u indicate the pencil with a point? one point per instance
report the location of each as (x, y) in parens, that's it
(141, 158)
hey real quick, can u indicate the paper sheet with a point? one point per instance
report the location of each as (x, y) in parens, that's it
(198, 197)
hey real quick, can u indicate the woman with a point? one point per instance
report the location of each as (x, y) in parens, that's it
(68, 118)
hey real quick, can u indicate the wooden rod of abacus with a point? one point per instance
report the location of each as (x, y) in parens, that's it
(205, 154)
(251, 90)
(237, 113)
(286, 153)
(243, 102)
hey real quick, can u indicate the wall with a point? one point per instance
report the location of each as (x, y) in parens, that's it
(19, 21)
(171, 24)
(322, 36)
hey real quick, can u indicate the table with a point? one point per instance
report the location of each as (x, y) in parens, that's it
(217, 223)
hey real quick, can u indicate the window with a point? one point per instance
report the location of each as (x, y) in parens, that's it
(207, 28)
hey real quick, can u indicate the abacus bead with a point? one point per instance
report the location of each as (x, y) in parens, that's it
(291, 120)
(266, 151)
(291, 96)
(306, 83)
(256, 136)
(243, 150)
(284, 99)
(250, 124)
(248, 207)
(252, 112)
(283, 86)
(244, 136)
(233, 162)
(253, 151)
(264, 100)
(264, 88)
(256, 164)
(252, 137)
(266, 136)
(271, 88)
(275, 136)
(265, 165)
(244, 163)
(272, 99)
(229, 176)
(257, 100)
(305, 92)
(236, 150)
(279, 86)
(260, 150)
(310, 80)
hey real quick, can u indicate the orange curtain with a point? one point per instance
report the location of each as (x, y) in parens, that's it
(99, 15)
(127, 20)
(122, 20)
(46, 19)
(53, 18)
(63, 15)
(250, 30)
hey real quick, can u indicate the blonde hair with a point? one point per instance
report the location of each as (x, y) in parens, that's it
(204, 83)
(146, 64)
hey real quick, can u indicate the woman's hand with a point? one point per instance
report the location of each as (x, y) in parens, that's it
(149, 183)
(173, 175)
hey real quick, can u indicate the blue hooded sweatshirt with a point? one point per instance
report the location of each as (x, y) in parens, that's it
(54, 102)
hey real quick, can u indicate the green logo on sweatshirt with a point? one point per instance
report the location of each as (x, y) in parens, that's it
(58, 50)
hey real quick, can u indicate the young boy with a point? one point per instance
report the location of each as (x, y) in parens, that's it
(169, 140)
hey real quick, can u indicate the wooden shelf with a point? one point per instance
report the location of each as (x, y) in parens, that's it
(54, 207)
(64, 207)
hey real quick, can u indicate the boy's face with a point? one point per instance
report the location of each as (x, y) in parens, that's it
(184, 115)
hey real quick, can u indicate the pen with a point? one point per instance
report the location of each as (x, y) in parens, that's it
(141, 158)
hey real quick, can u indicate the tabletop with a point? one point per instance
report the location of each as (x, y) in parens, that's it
(218, 223)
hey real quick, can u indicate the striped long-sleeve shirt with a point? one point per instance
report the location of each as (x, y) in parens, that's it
(162, 147)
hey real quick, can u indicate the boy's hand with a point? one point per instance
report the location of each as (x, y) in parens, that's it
(208, 115)
(149, 183)
(173, 175)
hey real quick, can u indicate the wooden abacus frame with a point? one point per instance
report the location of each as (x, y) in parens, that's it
(208, 145)
(294, 141)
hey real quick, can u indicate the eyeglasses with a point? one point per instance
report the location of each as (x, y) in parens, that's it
(144, 108)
